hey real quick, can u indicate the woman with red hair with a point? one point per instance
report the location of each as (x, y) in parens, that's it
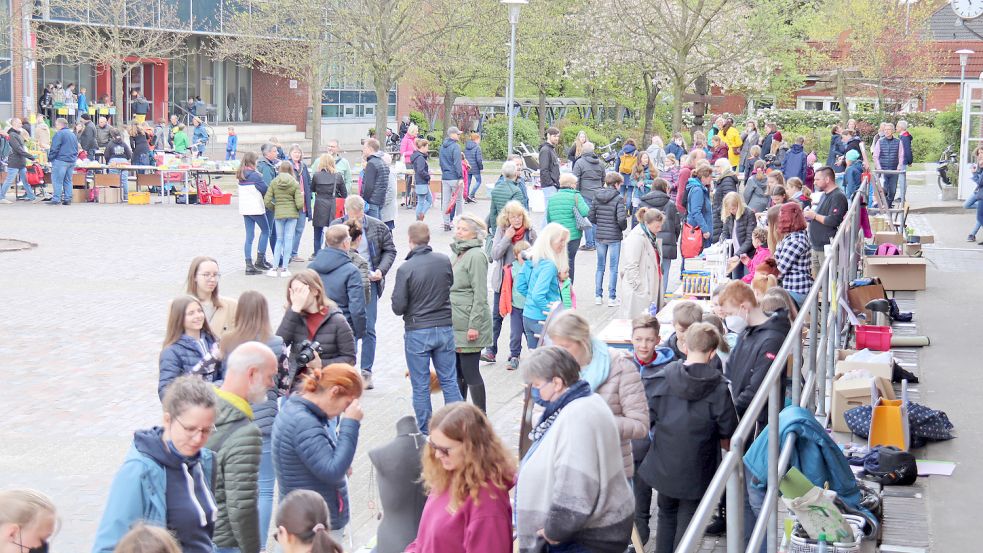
(794, 253)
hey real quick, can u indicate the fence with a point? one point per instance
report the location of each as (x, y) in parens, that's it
(824, 311)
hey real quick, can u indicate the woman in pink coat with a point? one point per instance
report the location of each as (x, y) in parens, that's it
(406, 148)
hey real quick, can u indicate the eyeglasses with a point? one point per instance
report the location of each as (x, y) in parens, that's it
(205, 432)
(210, 276)
(445, 451)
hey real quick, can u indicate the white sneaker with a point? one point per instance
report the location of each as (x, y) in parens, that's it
(285, 273)
(5, 201)
(273, 272)
(614, 302)
(598, 300)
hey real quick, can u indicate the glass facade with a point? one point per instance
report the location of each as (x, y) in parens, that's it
(202, 16)
(224, 87)
(351, 97)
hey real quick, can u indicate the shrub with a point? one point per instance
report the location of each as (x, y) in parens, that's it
(927, 144)
(569, 134)
(420, 120)
(495, 140)
(811, 118)
(950, 123)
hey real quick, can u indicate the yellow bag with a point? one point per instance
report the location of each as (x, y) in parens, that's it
(889, 421)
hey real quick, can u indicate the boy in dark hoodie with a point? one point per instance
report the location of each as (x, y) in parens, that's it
(692, 417)
(794, 162)
(472, 153)
(651, 358)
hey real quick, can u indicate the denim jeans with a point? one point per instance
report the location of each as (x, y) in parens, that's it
(673, 518)
(12, 175)
(423, 202)
(890, 188)
(61, 181)
(590, 233)
(284, 241)
(298, 233)
(318, 239)
(251, 222)
(753, 501)
(548, 192)
(266, 480)
(532, 328)
(447, 189)
(421, 346)
(474, 177)
(516, 332)
(226, 549)
(666, 266)
(230, 155)
(903, 183)
(979, 216)
(972, 202)
(614, 249)
(373, 210)
(271, 222)
(124, 177)
(572, 247)
(368, 341)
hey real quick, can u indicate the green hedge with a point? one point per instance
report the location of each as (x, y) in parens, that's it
(495, 140)
(786, 118)
(927, 144)
(569, 134)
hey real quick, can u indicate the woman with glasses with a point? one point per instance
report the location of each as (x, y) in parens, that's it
(189, 345)
(166, 476)
(202, 283)
(468, 473)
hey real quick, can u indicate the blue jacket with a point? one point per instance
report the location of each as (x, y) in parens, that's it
(906, 143)
(83, 104)
(138, 493)
(472, 153)
(835, 150)
(343, 284)
(698, 208)
(450, 160)
(200, 136)
(232, 143)
(64, 146)
(180, 357)
(852, 177)
(539, 282)
(676, 150)
(816, 455)
(311, 452)
(268, 169)
(794, 164)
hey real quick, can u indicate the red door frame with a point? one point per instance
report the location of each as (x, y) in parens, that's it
(104, 82)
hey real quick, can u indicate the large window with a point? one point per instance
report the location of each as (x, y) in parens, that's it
(224, 86)
(203, 16)
(349, 100)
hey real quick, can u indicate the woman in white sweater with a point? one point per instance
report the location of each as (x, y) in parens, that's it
(572, 494)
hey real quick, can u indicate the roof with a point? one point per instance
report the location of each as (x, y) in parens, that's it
(946, 25)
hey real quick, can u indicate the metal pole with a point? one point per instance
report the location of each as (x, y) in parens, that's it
(735, 503)
(26, 57)
(513, 22)
(775, 399)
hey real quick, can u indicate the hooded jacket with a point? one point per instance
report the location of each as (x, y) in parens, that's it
(237, 469)
(421, 294)
(327, 188)
(117, 149)
(181, 357)
(690, 410)
(472, 153)
(559, 209)
(794, 163)
(284, 197)
(698, 210)
(375, 180)
(469, 295)
(663, 356)
(267, 168)
(421, 170)
(756, 194)
(609, 215)
(727, 184)
(379, 240)
(450, 161)
(906, 144)
(163, 489)
(590, 175)
(751, 358)
(343, 284)
(334, 334)
(549, 166)
(670, 227)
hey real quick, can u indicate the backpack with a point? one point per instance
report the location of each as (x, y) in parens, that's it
(691, 241)
(35, 175)
(627, 164)
(5, 148)
(887, 249)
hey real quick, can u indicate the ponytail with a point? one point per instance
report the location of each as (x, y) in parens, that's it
(323, 542)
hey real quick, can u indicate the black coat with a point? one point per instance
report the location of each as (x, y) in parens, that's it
(609, 215)
(139, 145)
(375, 181)
(751, 358)
(422, 292)
(745, 226)
(672, 225)
(726, 185)
(118, 149)
(334, 335)
(326, 186)
(87, 138)
(382, 250)
(18, 154)
(590, 175)
(549, 166)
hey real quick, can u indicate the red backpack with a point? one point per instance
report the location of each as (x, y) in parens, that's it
(35, 175)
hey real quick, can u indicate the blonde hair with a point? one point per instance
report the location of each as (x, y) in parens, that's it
(513, 207)
(24, 506)
(573, 326)
(568, 180)
(649, 215)
(732, 200)
(702, 338)
(543, 247)
(144, 538)
(325, 163)
(413, 129)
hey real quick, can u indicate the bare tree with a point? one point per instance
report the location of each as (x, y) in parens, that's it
(113, 34)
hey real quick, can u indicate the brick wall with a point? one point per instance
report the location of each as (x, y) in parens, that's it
(275, 102)
(943, 96)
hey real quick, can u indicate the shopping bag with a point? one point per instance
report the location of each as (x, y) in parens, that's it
(691, 241)
(537, 201)
(339, 208)
(889, 421)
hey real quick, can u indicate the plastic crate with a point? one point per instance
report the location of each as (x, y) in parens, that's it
(139, 198)
(801, 544)
(222, 199)
(874, 338)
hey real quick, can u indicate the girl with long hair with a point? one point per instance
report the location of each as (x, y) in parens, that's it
(252, 188)
(201, 283)
(303, 525)
(540, 279)
(189, 345)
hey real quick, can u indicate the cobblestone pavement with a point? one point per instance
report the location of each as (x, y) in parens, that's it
(83, 319)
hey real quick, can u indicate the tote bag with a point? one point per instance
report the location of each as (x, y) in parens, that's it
(691, 241)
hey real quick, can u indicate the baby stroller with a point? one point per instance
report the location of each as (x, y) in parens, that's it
(530, 158)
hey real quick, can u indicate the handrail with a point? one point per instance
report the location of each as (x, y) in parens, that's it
(808, 390)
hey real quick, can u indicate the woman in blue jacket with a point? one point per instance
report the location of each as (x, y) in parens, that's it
(540, 279)
(199, 138)
(166, 477)
(188, 347)
(312, 448)
(698, 208)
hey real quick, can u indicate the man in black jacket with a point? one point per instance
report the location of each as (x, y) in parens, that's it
(378, 249)
(17, 163)
(590, 178)
(87, 140)
(375, 179)
(341, 279)
(549, 163)
(826, 218)
(421, 296)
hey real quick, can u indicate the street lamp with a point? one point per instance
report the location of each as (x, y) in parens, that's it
(963, 60)
(514, 6)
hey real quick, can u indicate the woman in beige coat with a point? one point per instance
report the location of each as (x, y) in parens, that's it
(640, 278)
(611, 374)
(202, 283)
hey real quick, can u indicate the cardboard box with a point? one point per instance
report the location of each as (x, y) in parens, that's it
(888, 237)
(922, 238)
(880, 370)
(108, 195)
(880, 223)
(860, 295)
(851, 393)
(80, 195)
(911, 250)
(897, 272)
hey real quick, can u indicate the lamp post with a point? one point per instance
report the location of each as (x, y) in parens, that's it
(963, 60)
(514, 7)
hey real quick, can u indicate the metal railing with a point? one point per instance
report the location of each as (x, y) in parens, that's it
(823, 313)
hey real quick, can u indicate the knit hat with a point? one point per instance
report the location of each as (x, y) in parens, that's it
(852, 155)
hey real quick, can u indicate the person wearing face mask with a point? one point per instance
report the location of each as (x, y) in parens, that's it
(27, 521)
(237, 445)
(166, 477)
(189, 346)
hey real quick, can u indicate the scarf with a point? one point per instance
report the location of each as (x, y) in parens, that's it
(578, 390)
(596, 372)
(649, 235)
(505, 297)
(519, 235)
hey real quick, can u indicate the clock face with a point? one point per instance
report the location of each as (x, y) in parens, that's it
(968, 9)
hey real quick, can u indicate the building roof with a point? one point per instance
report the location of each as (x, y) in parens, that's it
(946, 25)
(950, 69)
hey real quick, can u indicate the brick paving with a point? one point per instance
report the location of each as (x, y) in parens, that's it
(83, 319)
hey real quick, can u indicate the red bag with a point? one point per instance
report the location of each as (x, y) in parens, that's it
(505, 301)
(339, 208)
(35, 175)
(691, 241)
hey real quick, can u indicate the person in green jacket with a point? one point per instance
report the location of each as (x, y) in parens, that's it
(506, 190)
(560, 210)
(285, 198)
(181, 143)
(237, 445)
(470, 313)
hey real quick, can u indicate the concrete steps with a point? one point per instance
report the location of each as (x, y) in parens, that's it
(253, 135)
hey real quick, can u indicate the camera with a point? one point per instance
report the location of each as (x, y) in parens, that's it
(769, 158)
(306, 351)
(207, 368)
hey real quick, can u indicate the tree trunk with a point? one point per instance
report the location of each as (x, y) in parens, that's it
(619, 113)
(315, 98)
(841, 98)
(381, 109)
(448, 105)
(651, 93)
(542, 113)
(678, 90)
(118, 96)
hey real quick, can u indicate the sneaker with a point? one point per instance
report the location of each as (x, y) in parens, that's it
(52, 202)
(717, 526)
(297, 259)
(367, 378)
(586, 248)
(273, 273)
(487, 356)
(970, 238)
(5, 201)
(598, 300)
(311, 258)
(614, 302)
(513, 363)
(284, 272)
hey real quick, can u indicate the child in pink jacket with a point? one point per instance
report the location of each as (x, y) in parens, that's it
(759, 239)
